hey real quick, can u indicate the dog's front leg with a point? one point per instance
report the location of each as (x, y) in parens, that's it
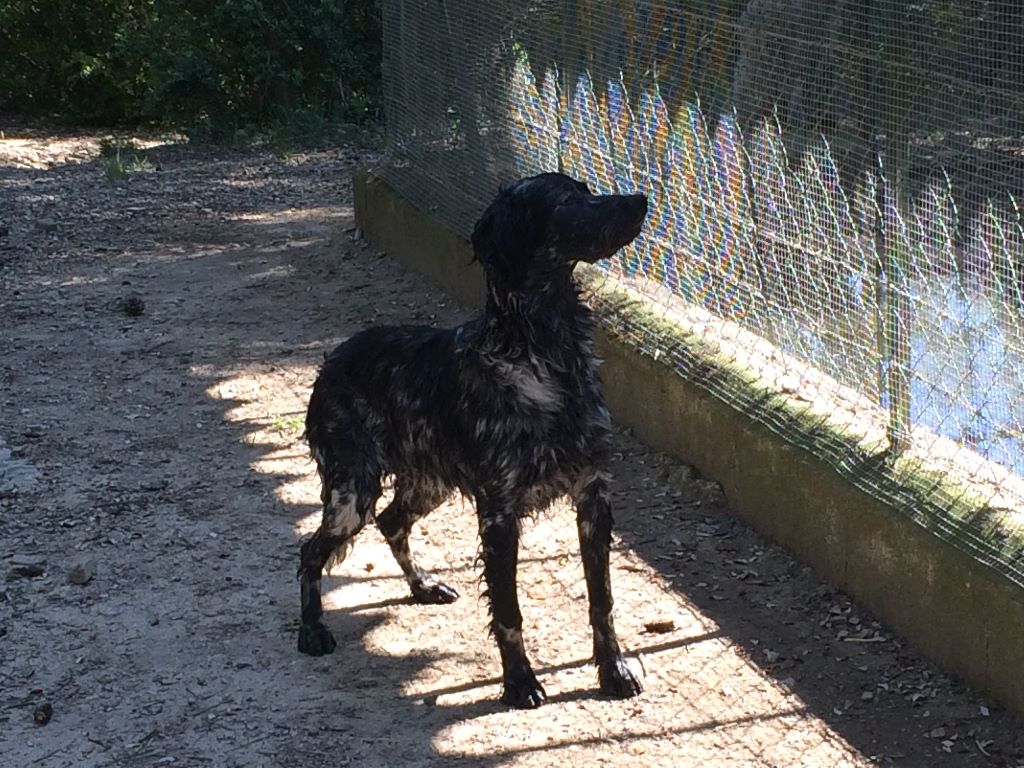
(594, 520)
(499, 535)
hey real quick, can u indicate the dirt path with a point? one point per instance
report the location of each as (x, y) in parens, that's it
(165, 450)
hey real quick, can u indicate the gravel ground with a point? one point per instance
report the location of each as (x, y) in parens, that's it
(159, 336)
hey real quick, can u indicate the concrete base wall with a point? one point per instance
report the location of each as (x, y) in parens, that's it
(961, 613)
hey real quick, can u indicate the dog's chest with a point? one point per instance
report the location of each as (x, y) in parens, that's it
(551, 422)
(531, 386)
(540, 388)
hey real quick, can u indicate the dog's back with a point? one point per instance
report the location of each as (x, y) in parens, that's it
(391, 391)
(454, 407)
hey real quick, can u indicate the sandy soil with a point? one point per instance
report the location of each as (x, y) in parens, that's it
(158, 458)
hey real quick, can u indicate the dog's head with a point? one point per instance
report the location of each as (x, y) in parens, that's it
(539, 227)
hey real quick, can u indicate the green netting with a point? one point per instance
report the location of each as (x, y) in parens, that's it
(834, 194)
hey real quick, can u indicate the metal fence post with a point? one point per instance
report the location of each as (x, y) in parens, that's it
(895, 259)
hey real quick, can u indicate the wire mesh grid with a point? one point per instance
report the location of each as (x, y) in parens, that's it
(835, 192)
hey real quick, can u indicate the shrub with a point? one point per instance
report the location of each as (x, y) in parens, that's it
(214, 66)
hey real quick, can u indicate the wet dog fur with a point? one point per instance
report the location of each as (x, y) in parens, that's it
(506, 408)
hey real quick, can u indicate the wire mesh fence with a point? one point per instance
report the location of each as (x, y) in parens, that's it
(835, 190)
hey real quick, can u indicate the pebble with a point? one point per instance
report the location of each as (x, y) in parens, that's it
(43, 713)
(82, 571)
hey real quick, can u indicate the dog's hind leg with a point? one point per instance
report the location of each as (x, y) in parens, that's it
(348, 505)
(499, 535)
(594, 520)
(412, 501)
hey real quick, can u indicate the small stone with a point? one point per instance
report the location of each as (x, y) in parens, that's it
(43, 713)
(16, 475)
(82, 571)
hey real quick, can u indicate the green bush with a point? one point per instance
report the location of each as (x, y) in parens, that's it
(213, 66)
(68, 57)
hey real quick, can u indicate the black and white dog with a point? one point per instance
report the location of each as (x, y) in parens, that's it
(506, 409)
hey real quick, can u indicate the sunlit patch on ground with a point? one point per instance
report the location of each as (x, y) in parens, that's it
(313, 213)
(30, 149)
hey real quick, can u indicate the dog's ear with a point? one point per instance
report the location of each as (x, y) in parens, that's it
(482, 237)
(498, 247)
(477, 240)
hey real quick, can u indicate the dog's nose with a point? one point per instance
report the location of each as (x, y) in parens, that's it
(639, 202)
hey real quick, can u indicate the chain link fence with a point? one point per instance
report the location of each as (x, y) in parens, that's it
(835, 190)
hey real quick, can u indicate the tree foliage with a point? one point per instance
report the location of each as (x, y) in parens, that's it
(210, 64)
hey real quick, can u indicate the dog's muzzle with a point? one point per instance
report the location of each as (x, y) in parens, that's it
(619, 219)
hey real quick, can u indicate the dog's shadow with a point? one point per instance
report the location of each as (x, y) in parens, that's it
(369, 698)
(412, 693)
(381, 698)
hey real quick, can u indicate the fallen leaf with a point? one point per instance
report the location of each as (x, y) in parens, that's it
(659, 626)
